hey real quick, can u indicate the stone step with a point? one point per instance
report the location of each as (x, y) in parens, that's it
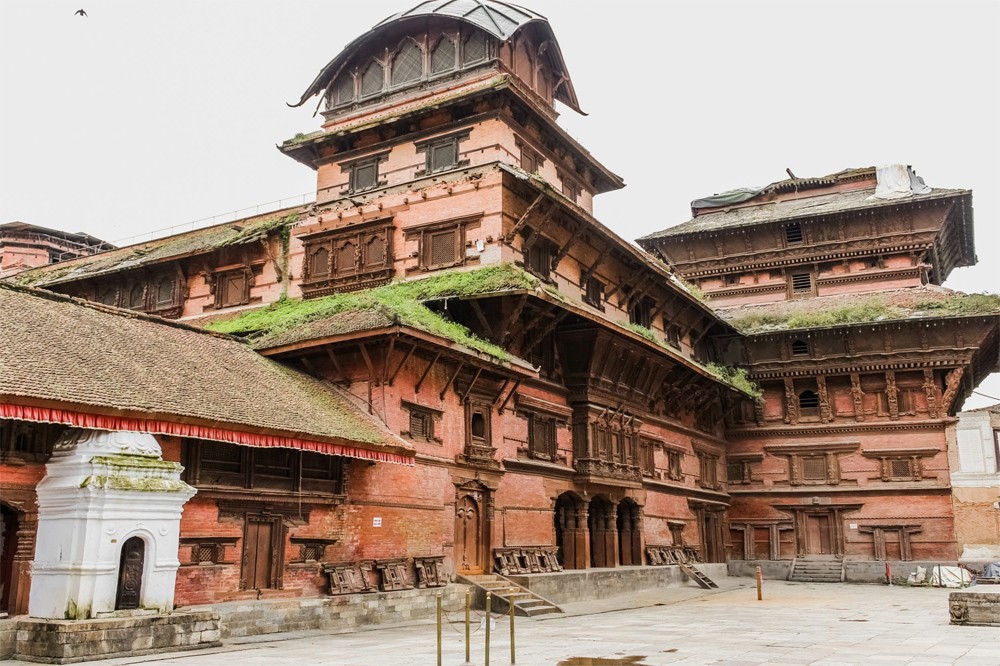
(542, 610)
(526, 602)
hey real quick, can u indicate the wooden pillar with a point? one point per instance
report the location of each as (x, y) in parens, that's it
(20, 575)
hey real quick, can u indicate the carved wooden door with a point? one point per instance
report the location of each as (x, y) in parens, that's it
(130, 574)
(262, 540)
(818, 539)
(468, 536)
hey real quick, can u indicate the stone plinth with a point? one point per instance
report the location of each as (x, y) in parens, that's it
(583, 584)
(71, 641)
(978, 606)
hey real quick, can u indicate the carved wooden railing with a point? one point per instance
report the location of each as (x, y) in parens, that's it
(666, 555)
(390, 574)
(525, 560)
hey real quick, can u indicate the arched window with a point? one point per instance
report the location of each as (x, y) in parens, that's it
(372, 79)
(478, 426)
(474, 48)
(319, 263)
(408, 64)
(375, 252)
(443, 56)
(808, 400)
(343, 90)
(800, 348)
(524, 64)
(107, 295)
(165, 291)
(137, 296)
(347, 259)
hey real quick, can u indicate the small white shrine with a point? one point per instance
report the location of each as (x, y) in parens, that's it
(109, 511)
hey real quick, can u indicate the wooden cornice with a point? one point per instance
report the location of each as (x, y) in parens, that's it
(835, 428)
(812, 447)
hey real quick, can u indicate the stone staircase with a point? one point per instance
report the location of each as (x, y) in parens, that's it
(697, 576)
(526, 602)
(807, 570)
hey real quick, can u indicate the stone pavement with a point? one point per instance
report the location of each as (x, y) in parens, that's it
(796, 623)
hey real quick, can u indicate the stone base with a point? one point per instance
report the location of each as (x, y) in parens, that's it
(585, 584)
(71, 641)
(977, 606)
(855, 571)
(345, 612)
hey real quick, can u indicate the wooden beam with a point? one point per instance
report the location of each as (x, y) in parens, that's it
(451, 379)
(503, 405)
(372, 375)
(503, 387)
(475, 379)
(416, 389)
(388, 356)
(399, 367)
(474, 304)
(509, 236)
(589, 272)
(515, 317)
(309, 366)
(545, 331)
(336, 363)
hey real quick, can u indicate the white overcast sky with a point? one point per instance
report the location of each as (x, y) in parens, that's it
(146, 115)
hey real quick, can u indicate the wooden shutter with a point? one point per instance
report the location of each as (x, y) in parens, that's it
(802, 282)
(319, 263)
(364, 176)
(375, 252)
(234, 288)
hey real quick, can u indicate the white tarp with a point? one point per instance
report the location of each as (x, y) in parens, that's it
(896, 181)
(942, 576)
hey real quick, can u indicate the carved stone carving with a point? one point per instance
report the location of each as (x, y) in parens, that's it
(959, 612)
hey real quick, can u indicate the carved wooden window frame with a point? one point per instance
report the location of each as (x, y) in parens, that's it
(647, 455)
(360, 274)
(421, 422)
(640, 311)
(538, 252)
(673, 335)
(485, 411)
(425, 233)
(355, 168)
(798, 286)
(708, 470)
(220, 291)
(412, 45)
(593, 293)
(674, 471)
(529, 159)
(431, 147)
(543, 420)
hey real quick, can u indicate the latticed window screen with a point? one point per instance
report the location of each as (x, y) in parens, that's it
(539, 257)
(542, 436)
(165, 291)
(901, 468)
(474, 48)
(443, 56)
(734, 472)
(407, 65)
(802, 282)
(364, 176)
(343, 90)
(375, 251)
(207, 553)
(320, 466)
(441, 247)
(220, 457)
(273, 462)
(646, 457)
(793, 233)
(814, 468)
(347, 259)
(421, 424)
(372, 80)
(443, 155)
(708, 478)
(312, 551)
(319, 263)
(595, 291)
(800, 348)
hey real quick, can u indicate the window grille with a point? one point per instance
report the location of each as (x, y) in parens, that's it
(407, 65)
(372, 80)
(273, 462)
(219, 457)
(474, 48)
(312, 552)
(443, 155)
(441, 250)
(800, 348)
(207, 553)
(814, 468)
(347, 259)
(901, 468)
(343, 90)
(802, 282)
(321, 467)
(421, 424)
(793, 233)
(542, 436)
(364, 176)
(808, 400)
(734, 472)
(443, 56)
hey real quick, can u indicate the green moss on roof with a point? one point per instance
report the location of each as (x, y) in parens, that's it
(863, 309)
(737, 378)
(399, 302)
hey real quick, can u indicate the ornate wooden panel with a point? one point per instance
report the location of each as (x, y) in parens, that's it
(525, 560)
(130, 570)
(349, 577)
(394, 574)
(430, 571)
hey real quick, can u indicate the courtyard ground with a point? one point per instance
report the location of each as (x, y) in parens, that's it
(796, 623)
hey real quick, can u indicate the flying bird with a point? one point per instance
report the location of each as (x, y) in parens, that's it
(79, 12)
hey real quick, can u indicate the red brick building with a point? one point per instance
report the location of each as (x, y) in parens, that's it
(566, 396)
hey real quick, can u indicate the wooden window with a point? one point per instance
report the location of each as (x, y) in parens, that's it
(421, 424)
(901, 469)
(219, 457)
(808, 400)
(206, 553)
(640, 311)
(802, 283)
(319, 263)
(793, 233)
(800, 348)
(441, 248)
(443, 56)
(232, 288)
(272, 463)
(137, 296)
(441, 153)
(28, 441)
(408, 64)
(571, 190)
(647, 464)
(542, 436)
(674, 466)
(343, 90)
(538, 257)
(738, 472)
(375, 254)
(165, 289)
(222, 465)
(474, 48)
(732, 280)
(594, 293)
(364, 176)
(321, 467)
(530, 161)
(372, 79)
(814, 469)
(347, 259)
(708, 471)
(674, 336)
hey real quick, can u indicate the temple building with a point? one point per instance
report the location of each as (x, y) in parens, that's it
(446, 365)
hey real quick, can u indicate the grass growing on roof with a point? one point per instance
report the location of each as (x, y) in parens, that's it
(737, 378)
(402, 302)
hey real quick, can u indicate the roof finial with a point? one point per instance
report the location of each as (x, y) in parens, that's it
(790, 174)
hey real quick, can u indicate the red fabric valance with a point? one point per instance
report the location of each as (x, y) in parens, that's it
(157, 427)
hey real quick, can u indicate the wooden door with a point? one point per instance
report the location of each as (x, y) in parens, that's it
(261, 553)
(468, 536)
(762, 543)
(818, 538)
(8, 546)
(130, 574)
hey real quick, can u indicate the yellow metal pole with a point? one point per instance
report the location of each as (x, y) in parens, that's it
(511, 602)
(468, 632)
(489, 600)
(760, 579)
(439, 626)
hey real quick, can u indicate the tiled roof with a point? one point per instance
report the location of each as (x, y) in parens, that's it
(925, 302)
(793, 209)
(95, 359)
(199, 241)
